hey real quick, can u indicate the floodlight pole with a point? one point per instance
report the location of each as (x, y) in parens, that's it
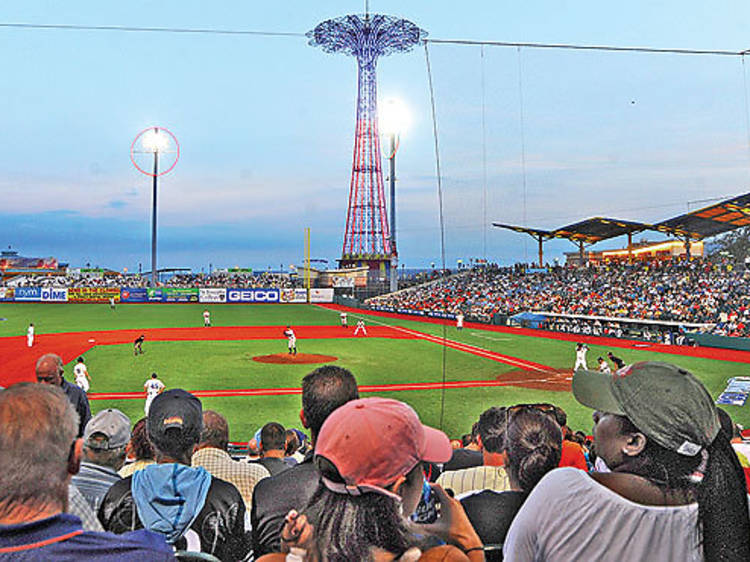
(153, 219)
(394, 254)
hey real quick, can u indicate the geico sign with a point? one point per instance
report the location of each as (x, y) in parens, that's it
(252, 295)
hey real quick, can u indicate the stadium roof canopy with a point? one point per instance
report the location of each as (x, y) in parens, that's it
(599, 228)
(710, 221)
(535, 232)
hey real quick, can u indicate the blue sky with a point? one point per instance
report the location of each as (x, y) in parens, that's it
(266, 127)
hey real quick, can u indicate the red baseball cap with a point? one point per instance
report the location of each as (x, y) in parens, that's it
(373, 441)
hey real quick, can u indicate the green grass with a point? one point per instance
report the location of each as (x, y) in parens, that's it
(203, 365)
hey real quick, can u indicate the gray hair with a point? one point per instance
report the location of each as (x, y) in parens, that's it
(38, 425)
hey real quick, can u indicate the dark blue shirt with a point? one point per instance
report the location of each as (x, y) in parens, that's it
(80, 402)
(61, 538)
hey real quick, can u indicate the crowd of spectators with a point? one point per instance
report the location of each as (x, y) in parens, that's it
(696, 291)
(661, 478)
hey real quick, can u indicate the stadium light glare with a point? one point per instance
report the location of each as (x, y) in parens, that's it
(155, 140)
(394, 117)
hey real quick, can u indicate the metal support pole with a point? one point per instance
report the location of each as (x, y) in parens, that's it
(307, 263)
(580, 252)
(541, 252)
(687, 247)
(153, 221)
(630, 247)
(394, 254)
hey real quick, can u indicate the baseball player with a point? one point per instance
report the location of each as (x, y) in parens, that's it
(138, 345)
(206, 319)
(360, 327)
(604, 366)
(153, 387)
(344, 320)
(112, 303)
(30, 335)
(581, 351)
(291, 340)
(81, 375)
(460, 320)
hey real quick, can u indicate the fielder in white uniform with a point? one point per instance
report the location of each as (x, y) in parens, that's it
(581, 351)
(206, 319)
(81, 375)
(344, 321)
(291, 340)
(30, 335)
(153, 387)
(460, 321)
(360, 326)
(604, 366)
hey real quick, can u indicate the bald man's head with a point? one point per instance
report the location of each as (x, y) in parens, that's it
(49, 369)
(215, 431)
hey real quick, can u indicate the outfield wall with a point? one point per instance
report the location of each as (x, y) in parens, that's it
(207, 295)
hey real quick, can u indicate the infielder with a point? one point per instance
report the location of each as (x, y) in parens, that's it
(153, 387)
(30, 335)
(581, 351)
(604, 366)
(81, 375)
(112, 303)
(360, 326)
(206, 319)
(291, 340)
(344, 320)
(460, 320)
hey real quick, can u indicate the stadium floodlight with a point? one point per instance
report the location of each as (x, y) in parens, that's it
(394, 117)
(392, 120)
(154, 141)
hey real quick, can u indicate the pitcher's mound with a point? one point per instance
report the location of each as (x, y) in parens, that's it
(287, 359)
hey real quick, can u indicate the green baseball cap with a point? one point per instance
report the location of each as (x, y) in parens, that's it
(667, 403)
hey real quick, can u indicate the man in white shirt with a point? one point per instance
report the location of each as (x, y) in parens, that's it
(206, 319)
(153, 387)
(30, 335)
(291, 340)
(460, 321)
(344, 320)
(603, 365)
(581, 351)
(360, 327)
(82, 377)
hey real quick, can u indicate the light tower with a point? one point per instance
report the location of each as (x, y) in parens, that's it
(367, 238)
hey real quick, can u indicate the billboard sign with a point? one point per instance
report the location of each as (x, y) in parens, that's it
(253, 295)
(293, 295)
(136, 294)
(212, 295)
(93, 294)
(54, 294)
(321, 295)
(28, 294)
(175, 294)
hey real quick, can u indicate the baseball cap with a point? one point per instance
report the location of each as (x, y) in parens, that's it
(373, 441)
(664, 401)
(174, 409)
(113, 425)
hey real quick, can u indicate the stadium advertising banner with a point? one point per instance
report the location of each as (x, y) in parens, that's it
(293, 295)
(28, 294)
(321, 295)
(6, 293)
(212, 295)
(253, 295)
(93, 294)
(54, 294)
(136, 294)
(173, 294)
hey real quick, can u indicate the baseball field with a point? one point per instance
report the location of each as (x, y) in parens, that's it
(240, 365)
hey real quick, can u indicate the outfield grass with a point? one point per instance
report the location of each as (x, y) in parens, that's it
(205, 365)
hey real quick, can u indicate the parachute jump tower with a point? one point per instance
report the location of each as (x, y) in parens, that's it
(367, 239)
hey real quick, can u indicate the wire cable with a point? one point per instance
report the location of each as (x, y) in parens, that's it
(136, 29)
(442, 218)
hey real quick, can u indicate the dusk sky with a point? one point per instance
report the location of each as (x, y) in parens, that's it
(266, 127)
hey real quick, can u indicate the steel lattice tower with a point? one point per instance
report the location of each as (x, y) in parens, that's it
(367, 237)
